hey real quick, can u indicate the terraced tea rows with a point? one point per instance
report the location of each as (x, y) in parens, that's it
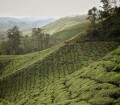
(13, 63)
(97, 84)
(37, 84)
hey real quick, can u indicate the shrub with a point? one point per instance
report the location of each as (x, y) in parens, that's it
(102, 101)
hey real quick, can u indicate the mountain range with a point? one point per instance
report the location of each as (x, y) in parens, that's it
(25, 23)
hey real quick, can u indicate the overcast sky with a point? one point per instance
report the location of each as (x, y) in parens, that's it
(45, 8)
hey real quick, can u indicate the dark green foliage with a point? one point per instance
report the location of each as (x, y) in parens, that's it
(14, 36)
(114, 31)
(3, 63)
(39, 40)
(92, 16)
(109, 25)
(18, 44)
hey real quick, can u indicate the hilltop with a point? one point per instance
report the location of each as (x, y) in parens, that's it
(67, 32)
(63, 23)
(70, 32)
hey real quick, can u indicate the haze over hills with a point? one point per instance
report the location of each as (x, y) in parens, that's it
(59, 28)
(49, 25)
(25, 23)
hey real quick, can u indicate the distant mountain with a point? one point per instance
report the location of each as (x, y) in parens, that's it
(63, 23)
(23, 23)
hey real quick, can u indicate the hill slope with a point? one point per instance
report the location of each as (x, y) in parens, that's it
(97, 84)
(70, 32)
(13, 63)
(63, 23)
(38, 84)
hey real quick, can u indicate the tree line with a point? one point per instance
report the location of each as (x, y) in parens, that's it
(105, 22)
(16, 43)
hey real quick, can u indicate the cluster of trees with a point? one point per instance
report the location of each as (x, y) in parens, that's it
(16, 43)
(106, 21)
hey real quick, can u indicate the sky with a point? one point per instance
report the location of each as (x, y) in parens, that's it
(45, 8)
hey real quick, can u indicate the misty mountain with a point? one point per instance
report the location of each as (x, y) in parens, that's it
(23, 23)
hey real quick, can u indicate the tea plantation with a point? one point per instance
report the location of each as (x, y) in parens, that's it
(69, 74)
(13, 63)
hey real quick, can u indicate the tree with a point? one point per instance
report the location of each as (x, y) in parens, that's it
(2, 46)
(15, 43)
(47, 40)
(26, 44)
(14, 36)
(92, 16)
(106, 5)
(106, 13)
(37, 39)
(114, 2)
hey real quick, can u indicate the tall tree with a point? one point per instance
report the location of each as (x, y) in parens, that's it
(92, 16)
(26, 44)
(47, 40)
(106, 13)
(114, 2)
(14, 36)
(37, 37)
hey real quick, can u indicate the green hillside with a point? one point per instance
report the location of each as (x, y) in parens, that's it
(13, 63)
(44, 82)
(70, 31)
(63, 23)
(97, 84)
(81, 68)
